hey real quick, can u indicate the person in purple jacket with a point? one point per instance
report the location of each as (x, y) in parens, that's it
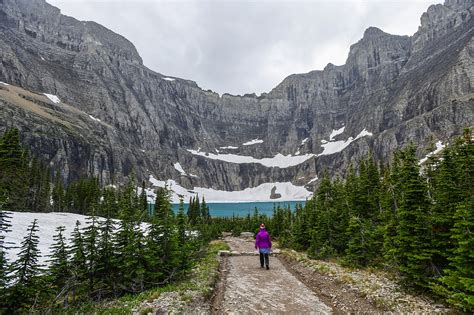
(264, 244)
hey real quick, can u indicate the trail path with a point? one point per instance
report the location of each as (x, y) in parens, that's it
(250, 289)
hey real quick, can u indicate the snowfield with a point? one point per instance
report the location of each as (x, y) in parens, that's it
(53, 98)
(279, 160)
(261, 193)
(47, 223)
(251, 142)
(337, 146)
(168, 79)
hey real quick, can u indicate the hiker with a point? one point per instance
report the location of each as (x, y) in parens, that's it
(264, 245)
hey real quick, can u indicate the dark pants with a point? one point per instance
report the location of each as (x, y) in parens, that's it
(264, 260)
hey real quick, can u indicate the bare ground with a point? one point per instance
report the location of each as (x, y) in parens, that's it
(247, 288)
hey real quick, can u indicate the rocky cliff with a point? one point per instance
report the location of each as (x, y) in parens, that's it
(116, 115)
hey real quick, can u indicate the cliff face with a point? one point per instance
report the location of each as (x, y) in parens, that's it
(116, 115)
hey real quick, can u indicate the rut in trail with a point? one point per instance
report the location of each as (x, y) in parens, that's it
(251, 289)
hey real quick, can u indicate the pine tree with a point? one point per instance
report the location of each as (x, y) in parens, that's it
(91, 238)
(413, 239)
(4, 266)
(13, 171)
(78, 263)
(106, 269)
(26, 270)
(458, 283)
(58, 194)
(59, 270)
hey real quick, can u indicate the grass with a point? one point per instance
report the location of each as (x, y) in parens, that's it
(201, 280)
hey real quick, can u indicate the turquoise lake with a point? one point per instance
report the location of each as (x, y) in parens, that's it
(243, 208)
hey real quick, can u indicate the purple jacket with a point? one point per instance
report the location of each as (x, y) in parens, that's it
(263, 239)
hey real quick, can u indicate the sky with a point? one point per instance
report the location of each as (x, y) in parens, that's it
(245, 46)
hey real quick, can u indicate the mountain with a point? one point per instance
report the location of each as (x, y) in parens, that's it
(107, 114)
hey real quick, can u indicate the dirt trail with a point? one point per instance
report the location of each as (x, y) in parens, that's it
(250, 289)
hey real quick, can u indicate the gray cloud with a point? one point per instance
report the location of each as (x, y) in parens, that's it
(244, 46)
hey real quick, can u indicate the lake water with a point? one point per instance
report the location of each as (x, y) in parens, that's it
(243, 208)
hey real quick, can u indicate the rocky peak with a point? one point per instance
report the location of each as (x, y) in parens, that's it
(440, 20)
(40, 20)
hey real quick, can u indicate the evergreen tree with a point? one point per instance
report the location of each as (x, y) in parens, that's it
(4, 266)
(413, 239)
(78, 263)
(106, 269)
(59, 270)
(26, 270)
(91, 238)
(58, 194)
(458, 283)
(13, 171)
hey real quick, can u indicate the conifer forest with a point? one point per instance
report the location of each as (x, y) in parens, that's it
(410, 218)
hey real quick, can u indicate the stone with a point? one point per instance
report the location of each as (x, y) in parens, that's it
(400, 88)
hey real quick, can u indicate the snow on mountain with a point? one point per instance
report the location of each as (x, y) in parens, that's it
(279, 160)
(168, 79)
(439, 146)
(6, 84)
(251, 142)
(179, 168)
(337, 146)
(304, 141)
(288, 191)
(229, 147)
(53, 98)
(93, 118)
(334, 133)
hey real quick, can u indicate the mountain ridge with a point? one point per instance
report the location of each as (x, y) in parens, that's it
(154, 120)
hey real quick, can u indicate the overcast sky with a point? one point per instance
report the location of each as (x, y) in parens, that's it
(241, 46)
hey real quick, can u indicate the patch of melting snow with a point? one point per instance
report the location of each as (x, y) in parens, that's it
(6, 84)
(53, 98)
(95, 119)
(168, 79)
(338, 146)
(439, 146)
(288, 191)
(228, 147)
(304, 141)
(297, 152)
(143, 150)
(279, 160)
(334, 133)
(179, 168)
(324, 141)
(313, 180)
(254, 141)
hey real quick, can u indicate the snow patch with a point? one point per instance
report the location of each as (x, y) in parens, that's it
(334, 133)
(47, 223)
(313, 180)
(229, 147)
(53, 98)
(297, 152)
(143, 151)
(179, 168)
(324, 141)
(279, 160)
(168, 79)
(439, 146)
(93, 118)
(338, 146)
(6, 84)
(261, 193)
(304, 141)
(254, 141)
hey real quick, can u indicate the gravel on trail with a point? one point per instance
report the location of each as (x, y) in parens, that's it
(251, 289)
